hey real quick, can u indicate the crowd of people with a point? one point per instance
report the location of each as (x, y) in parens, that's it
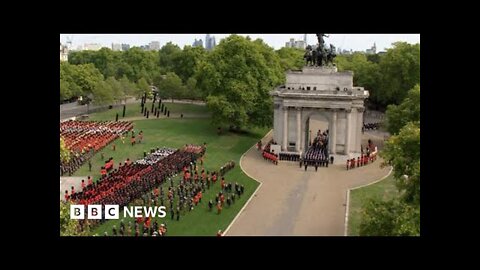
(155, 156)
(227, 167)
(370, 126)
(84, 138)
(84, 135)
(131, 180)
(317, 153)
(182, 197)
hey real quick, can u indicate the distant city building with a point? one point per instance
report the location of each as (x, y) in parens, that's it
(145, 47)
(116, 47)
(300, 44)
(372, 50)
(343, 51)
(63, 52)
(92, 46)
(210, 42)
(154, 46)
(125, 47)
(198, 43)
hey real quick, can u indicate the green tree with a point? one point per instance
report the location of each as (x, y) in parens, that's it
(64, 152)
(402, 151)
(128, 87)
(400, 69)
(291, 58)
(192, 91)
(65, 90)
(142, 88)
(86, 77)
(236, 78)
(69, 227)
(68, 86)
(102, 93)
(117, 89)
(365, 72)
(171, 87)
(167, 57)
(398, 116)
(186, 62)
(390, 218)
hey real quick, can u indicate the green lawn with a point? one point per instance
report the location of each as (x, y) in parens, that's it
(134, 110)
(175, 133)
(384, 190)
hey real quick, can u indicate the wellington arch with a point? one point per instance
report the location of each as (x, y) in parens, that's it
(319, 91)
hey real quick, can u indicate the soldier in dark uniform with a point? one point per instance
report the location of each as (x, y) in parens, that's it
(210, 205)
(229, 201)
(306, 165)
(178, 213)
(316, 166)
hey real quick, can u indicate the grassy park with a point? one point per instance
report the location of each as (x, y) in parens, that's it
(176, 132)
(383, 190)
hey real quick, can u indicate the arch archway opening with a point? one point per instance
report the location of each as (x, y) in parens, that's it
(317, 139)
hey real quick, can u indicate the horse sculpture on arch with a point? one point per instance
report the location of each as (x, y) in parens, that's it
(321, 56)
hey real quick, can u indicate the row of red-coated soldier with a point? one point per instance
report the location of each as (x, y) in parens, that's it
(360, 161)
(270, 156)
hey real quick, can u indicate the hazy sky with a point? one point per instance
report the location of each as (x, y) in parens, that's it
(356, 42)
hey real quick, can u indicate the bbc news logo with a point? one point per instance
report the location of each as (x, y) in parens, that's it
(112, 211)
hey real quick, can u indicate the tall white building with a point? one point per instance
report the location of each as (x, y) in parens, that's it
(63, 52)
(372, 50)
(116, 47)
(300, 44)
(154, 46)
(92, 46)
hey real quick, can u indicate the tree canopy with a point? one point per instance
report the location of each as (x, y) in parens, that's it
(398, 116)
(291, 58)
(388, 77)
(171, 86)
(69, 227)
(64, 152)
(236, 78)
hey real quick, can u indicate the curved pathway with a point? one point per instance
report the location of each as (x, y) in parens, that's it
(292, 201)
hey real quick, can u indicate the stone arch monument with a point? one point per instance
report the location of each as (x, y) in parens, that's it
(319, 90)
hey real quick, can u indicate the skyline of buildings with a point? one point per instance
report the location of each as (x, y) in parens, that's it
(210, 43)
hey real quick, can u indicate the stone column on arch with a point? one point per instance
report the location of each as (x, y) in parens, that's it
(299, 129)
(333, 133)
(358, 131)
(285, 129)
(348, 130)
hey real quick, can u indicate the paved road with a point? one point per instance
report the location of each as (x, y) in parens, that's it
(292, 201)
